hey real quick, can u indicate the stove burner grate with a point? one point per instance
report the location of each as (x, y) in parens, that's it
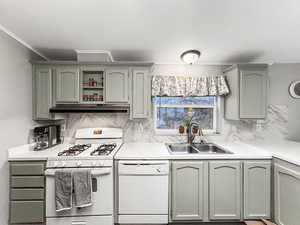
(104, 149)
(74, 150)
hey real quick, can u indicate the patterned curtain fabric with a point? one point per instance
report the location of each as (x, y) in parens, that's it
(189, 86)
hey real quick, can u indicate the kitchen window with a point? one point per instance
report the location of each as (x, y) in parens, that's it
(170, 111)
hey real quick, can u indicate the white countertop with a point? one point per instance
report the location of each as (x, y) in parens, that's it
(285, 150)
(26, 152)
(141, 150)
(157, 151)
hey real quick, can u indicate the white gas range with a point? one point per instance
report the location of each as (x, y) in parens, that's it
(94, 149)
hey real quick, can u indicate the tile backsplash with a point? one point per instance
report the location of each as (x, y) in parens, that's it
(275, 126)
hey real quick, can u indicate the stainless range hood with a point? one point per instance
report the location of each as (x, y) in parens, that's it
(82, 108)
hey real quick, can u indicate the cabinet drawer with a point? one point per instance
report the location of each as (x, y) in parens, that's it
(28, 181)
(27, 168)
(27, 194)
(26, 212)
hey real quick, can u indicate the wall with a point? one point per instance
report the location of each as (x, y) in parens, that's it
(15, 107)
(187, 70)
(140, 130)
(282, 108)
(281, 75)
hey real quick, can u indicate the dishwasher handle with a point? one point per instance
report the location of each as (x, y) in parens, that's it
(143, 168)
(143, 162)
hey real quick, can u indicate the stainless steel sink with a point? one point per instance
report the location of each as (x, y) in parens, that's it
(182, 148)
(196, 148)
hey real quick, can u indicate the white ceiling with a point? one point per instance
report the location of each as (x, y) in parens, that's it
(226, 31)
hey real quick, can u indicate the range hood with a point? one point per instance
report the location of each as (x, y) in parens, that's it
(83, 108)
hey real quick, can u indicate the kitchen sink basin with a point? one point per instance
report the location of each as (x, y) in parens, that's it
(210, 148)
(182, 148)
(196, 148)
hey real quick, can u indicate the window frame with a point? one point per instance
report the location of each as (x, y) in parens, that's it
(216, 117)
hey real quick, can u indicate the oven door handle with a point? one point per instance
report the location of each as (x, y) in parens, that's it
(95, 173)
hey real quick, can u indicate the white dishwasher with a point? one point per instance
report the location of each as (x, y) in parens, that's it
(143, 192)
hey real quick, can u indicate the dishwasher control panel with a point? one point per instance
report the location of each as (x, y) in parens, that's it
(143, 167)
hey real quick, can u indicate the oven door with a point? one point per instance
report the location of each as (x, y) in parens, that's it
(102, 195)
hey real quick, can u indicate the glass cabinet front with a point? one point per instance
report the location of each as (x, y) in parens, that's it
(92, 87)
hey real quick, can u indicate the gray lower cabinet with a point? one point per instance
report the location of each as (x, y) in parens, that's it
(187, 190)
(27, 192)
(141, 94)
(257, 189)
(220, 190)
(248, 92)
(287, 193)
(225, 190)
(67, 84)
(117, 85)
(27, 211)
(42, 92)
(27, 168)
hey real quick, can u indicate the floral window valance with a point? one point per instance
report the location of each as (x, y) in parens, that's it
(189, 86)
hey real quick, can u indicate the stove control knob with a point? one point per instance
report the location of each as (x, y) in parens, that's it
(63, 164)
(94, 164)
(79, 163)
(55, 164)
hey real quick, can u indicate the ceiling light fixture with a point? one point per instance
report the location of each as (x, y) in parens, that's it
(190, 56)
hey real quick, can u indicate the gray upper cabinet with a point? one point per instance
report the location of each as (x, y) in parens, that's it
(257, 189)
(187, 190)
(287, 193)
(225, 190)
(248, 92)
(67, 84)
(117, 85)
(141, 94)
(42, 92)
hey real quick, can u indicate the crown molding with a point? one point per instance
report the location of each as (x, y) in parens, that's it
(96, 52)
(22, 42)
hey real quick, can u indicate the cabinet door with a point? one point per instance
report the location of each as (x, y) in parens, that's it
(257, 190)
(231, 101)
(67, 85)
(116, 86)
(287, 196)
(253, 89)
(141, 94)
(225, 190)
(27, 212)
(42, 93)
(187, 190)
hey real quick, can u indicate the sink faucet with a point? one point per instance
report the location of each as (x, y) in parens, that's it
(201, 135)
(191, 135)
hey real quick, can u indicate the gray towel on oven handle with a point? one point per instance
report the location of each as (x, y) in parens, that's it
(82, 179)
(63, 190)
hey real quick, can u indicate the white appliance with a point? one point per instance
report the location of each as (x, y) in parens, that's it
(143, 192)
(94, 148)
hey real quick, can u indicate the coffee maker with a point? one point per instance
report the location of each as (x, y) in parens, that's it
(47, 136)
